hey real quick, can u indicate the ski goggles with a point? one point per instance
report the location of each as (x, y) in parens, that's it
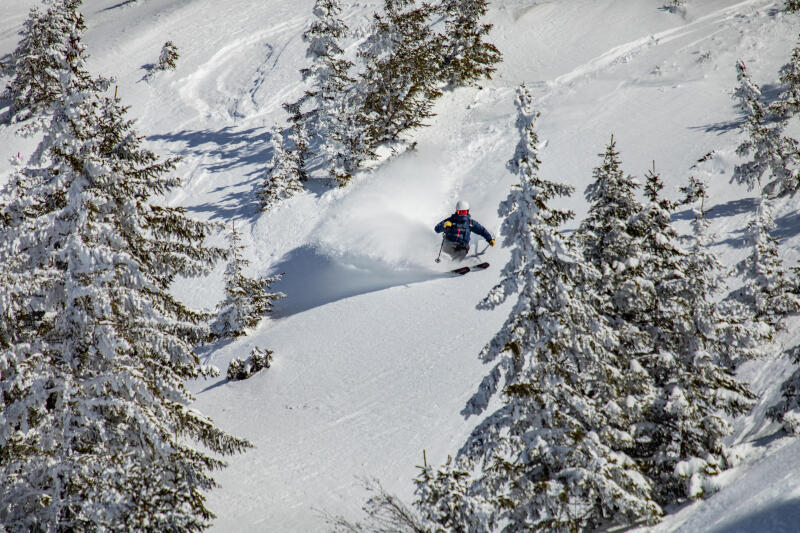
(462, 212)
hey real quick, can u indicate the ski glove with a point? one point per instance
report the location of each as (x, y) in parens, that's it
(491, 243)
(447, 224)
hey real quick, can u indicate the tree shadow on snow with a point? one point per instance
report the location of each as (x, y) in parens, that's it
(149, 70)
(120, 4)
(238, 203)
(786, 226)
(782, 517)
(312, 279)
(766, 440)
(230, 146)
(769, 93)
(728, 209)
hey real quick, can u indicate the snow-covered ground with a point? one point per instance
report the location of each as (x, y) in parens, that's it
(375, 349)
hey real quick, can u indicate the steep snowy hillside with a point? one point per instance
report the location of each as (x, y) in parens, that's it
(375, 346)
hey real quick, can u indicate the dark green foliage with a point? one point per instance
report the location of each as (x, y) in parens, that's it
(550, 458)
(240, 369)
(773, 157)
(97, 433)
(694, 343)
(467, 57)
(247, 300)
(168, 57)
(50, 44)
(442, 497)
(286, 171)
(400, 82)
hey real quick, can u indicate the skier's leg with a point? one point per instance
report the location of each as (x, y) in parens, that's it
(461, 252)
(449, 248)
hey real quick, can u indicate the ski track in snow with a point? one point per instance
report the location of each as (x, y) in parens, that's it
(205, 88)
(625, 52)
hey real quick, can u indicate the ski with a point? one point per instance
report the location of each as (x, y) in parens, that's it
(465, 269)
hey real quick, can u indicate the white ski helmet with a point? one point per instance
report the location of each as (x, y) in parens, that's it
(461, 205)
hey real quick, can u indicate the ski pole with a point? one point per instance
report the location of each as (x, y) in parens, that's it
(439, 257)
(478, 254)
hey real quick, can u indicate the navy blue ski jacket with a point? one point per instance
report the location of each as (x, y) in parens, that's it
(459, 232)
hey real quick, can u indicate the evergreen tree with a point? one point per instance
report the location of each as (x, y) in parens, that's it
(604, 233)
(328, 73)
(97, 433)
(792, 6)
(661, 269)
(467, 56)
(773, 156)
(612, 243)
(300, 152)
(787, 411)
(247, 300)
(400, 80)
(49, 45)
(643, 276)
(768, 290)
(239, 369)
(788, 103)
(351, 141)
(168, 57)
(677, 438)
(547, 458)
(283, 178)
(314, 115)
(444, 500)
(697, 343)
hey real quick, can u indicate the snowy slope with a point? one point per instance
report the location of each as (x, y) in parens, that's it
(376, 350)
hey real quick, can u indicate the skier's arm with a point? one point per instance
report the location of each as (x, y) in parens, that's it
(480, 230)
(440, 226)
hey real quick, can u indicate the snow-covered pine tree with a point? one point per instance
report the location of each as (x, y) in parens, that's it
(299, 137)
(329, 78)
(661, 267)
(401, 71)
(283, 177)
(644, 275)
(168, 57)
(787, 411)
(240, 369)
(547, 458)
(247, 300)
(612, 244)
(467, 56)
(772, 156)
(351, 142)
(697, 343)
(97, 432)
(792, 6)
(48, 39)
(604, 234)
(443, 499)
(788, 103)
(768, 289)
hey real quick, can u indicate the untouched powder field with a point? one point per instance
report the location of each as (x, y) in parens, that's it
(376, 347)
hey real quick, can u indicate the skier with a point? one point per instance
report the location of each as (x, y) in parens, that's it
(457, 228)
